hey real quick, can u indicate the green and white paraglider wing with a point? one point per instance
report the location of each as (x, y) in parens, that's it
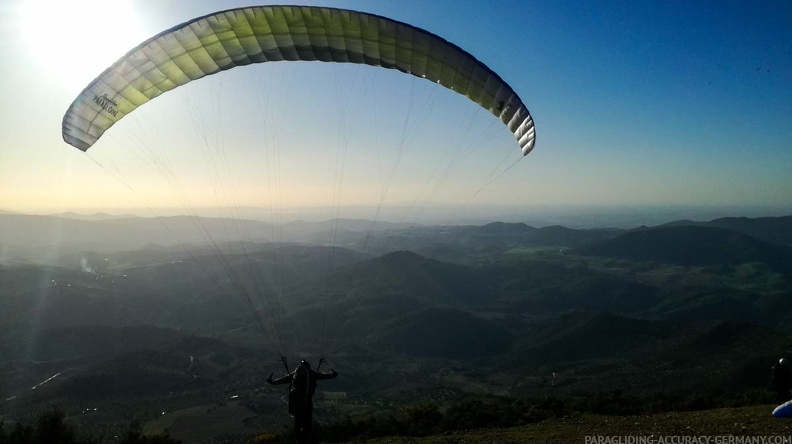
(237, 37)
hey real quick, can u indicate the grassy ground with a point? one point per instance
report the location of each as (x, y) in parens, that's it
(745, 421)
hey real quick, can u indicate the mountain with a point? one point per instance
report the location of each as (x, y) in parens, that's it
(441, 332)
(567, 237)
(186, 364)
(770, 229)
(445, 346)
(409, 273)
(585, 335)
(522, 233)
(603, 352)
(471, 243)
(469, 310)
(536, 287)
(92, 217)
(44, 236)
(30, 359)
(359, 225)
(691, 246)
(87, 342)
(501, 229)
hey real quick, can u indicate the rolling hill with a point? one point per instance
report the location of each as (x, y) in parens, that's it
(769, 229)
(472, 310)
(691, 246)
(443, 333)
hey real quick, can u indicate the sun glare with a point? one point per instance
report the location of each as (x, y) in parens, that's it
(74, 41)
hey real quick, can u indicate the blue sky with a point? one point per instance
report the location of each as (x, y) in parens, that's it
(635, 103)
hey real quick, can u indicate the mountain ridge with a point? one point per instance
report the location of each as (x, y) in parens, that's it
(691, 245)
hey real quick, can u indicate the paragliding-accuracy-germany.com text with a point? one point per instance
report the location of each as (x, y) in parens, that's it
(685, 439)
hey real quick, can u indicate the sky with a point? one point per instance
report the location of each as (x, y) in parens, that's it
(656, 104)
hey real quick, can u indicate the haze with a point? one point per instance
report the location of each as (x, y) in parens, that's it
(636, 105)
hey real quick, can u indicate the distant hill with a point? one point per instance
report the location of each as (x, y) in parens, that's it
(135, 331)
(191, 363)
(406, 272)
(537, 287)
(301, 226)
(40, 238)
(603, 352)
(93, 216)
(80, 342)
(691, 245)
(444, 332)
(771, 229)
(528, 235)
(472, 243)
(563, 236)
(29, 359)
(583, 336)
(711, 305)
(501, 229)
(51, 235)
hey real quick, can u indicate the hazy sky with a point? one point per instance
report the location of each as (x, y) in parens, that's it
(635, 103)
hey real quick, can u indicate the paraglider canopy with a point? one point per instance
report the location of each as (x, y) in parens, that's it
(220, 41)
